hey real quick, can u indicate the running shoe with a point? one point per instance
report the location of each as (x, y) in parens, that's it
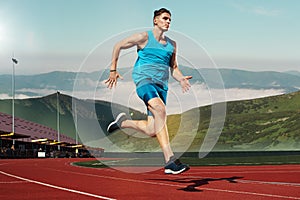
(174, 166)
(115, 125)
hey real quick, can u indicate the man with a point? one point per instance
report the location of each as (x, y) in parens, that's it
(156, 56)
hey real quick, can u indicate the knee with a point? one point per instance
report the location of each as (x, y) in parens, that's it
(159, 110)
(150, 131)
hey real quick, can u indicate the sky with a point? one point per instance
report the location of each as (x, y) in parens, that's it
(59, 35)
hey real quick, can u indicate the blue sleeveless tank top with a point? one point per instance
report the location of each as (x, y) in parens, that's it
(153, 62)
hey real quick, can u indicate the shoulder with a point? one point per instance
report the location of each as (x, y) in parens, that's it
(141, 39)
(142, 36)
(171, 41)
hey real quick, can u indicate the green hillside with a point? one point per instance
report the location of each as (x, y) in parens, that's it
(44, 111)
(270, 123)
(263, 124)
(253, 125)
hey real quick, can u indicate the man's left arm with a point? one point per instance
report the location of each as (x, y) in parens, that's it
(176, 73)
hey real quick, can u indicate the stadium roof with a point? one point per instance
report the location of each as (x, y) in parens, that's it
(28, 129)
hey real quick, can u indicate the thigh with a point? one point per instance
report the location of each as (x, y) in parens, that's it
(157, 107)
(156, 102)
(152, 95)
(162, 93)
(150, 91)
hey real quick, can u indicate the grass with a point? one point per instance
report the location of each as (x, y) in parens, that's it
(243, 160)
(192, 161)
(264, 124)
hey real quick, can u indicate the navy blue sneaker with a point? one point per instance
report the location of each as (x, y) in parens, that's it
(174, 166)
(115, 125)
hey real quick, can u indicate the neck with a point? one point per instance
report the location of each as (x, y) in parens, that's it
(158, 33)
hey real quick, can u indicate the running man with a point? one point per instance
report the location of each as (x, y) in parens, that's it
(156, 57)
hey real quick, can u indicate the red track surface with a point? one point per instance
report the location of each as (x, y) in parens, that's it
(57, 179)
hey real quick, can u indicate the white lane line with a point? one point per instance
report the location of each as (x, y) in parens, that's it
(245, 172)
(270, 183)
(56, 187)
(12, 182)
(252, 193)
(250, 181)
(4, 163)
(179, 185)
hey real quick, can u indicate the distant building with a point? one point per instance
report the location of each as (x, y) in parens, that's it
(29, 131)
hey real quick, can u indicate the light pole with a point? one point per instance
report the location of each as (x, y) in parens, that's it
(75, 109)
(76, 133)
(57, 118)
(15, 61)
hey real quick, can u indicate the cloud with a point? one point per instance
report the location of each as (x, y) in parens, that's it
(234, 94)
(177, 102)
(5, 96)
(266, 12)
(17, 96)
(200, 95)
(258, 10)
(38, 92)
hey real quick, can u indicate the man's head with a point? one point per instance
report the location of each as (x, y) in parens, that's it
(162, 18)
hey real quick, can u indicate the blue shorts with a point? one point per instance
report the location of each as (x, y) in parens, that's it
(149, 91)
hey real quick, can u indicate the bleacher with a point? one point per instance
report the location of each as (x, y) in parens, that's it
(29, 130)
(31, 138)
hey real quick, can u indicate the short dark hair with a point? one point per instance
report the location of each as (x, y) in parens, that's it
(161, 11)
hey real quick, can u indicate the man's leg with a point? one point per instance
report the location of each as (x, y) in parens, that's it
(163, 139)
(154, 126)
(144, 126)
(158, 109)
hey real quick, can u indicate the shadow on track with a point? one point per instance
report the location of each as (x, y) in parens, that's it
(194, 183)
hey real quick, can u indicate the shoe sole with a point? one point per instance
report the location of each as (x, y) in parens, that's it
(114, 122)
(169, 171)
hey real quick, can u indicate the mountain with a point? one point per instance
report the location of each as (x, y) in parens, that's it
(263, 124)
(44, 84)
(29, 84)
(270, 123)
(297, 73)
(44, 110)
(234, 78)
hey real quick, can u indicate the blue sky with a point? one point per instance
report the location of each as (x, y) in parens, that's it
(53, 35)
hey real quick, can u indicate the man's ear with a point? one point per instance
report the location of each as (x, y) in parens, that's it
(154, 20)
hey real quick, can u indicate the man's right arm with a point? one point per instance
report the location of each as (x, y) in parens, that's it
(138, 39)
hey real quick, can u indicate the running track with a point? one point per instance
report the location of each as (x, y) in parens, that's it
(58, 179)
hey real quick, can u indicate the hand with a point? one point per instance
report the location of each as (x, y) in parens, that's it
(185, 84)
(112, 80)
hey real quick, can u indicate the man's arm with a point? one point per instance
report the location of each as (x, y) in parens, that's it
(176, 73)
(139, 40)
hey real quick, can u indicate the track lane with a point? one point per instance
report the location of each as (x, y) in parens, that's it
(248, 182)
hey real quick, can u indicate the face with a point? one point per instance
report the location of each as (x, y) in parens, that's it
(163, 21)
